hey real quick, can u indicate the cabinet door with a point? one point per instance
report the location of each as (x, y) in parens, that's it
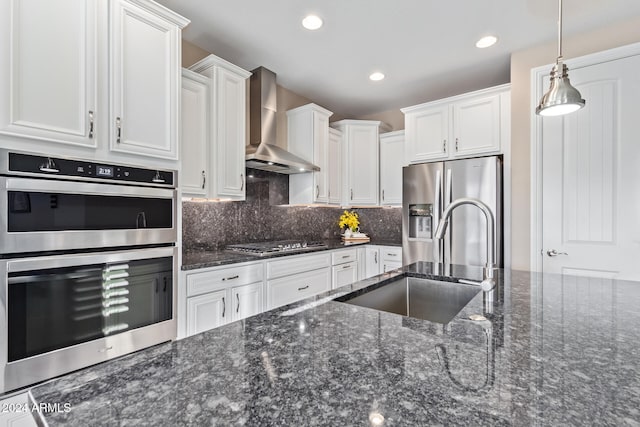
(362, 164)
(372, 261)
(390, 265)
(476, 126)
(321, 158)
(48, 72)
(391, 163)
(427, 133)
(194, 134)
(144, 82)
(334, 167)
(344, 274)
(246, 301)
(229, 134)
(206, 312)
(286, 290)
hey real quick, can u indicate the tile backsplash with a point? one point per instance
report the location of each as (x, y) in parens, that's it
(213, 225)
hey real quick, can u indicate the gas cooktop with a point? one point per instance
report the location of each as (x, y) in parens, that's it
(277, 246)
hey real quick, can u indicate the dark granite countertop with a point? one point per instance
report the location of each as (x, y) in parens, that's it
(194, 259)
(554, 351)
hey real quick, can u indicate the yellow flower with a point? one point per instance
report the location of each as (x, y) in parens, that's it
(350, 220)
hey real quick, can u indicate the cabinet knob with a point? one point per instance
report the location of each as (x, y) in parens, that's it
(444, 146)
(456, 144)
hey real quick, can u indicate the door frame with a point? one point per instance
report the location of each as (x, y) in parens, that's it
(538, 87)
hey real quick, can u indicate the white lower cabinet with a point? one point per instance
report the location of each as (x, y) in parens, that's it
(380, 259)
(288, 289)
(344, 274)
(246, 301)
(206, 311)
(14, 412)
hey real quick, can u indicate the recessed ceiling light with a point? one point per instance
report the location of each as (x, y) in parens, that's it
(376, 77)
(486, 41)
(312, 22)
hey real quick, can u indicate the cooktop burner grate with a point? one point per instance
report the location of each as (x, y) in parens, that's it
(266, 248)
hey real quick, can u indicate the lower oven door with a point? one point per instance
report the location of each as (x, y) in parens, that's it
(62, 313)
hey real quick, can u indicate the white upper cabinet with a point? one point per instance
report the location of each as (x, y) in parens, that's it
(391, 163)
(144, 48)
(308, 138)
(49, 53)
(462, 126)
(227, 126)
(334, 167)
(194, 134)
(360, 161)
(103, 75)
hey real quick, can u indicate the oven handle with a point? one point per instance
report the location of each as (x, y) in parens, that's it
(55, 186)
(73, 260)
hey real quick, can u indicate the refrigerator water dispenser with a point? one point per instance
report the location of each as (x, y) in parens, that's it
(421, 221)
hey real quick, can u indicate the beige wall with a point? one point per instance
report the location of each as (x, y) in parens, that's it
(191, 54)
(521, 109)
(393, 118)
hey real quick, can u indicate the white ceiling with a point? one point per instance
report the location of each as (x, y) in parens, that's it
(426, 48)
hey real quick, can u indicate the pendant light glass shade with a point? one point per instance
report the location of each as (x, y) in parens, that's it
(561, 98)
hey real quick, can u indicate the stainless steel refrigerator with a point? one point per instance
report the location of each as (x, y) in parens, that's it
(427, 190)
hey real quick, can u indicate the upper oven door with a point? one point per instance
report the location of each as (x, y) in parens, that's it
(46, 215)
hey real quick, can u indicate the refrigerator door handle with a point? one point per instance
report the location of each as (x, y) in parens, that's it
(437, 210)
(446, 253)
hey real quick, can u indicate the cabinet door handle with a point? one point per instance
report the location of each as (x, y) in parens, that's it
(352, 194)
(118, 130)
(391, 254)
(204, 179)
(303, 288)
(375, 257)
(224, 307)
(383, 195)
(238, 306)
(224, 279)
(90, 125)
(444, 146)
(456, 144)
(241, 182)
(345, 267)
(317, 191)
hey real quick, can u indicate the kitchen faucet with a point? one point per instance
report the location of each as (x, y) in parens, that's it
(488, 283)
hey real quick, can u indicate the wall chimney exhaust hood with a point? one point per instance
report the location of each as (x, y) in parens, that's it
(262, 153)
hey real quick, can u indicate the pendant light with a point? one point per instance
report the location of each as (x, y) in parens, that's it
(561, 98)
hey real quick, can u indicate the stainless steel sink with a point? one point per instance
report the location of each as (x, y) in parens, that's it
(431, 300)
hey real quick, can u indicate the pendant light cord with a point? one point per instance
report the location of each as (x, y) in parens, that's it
(559, 28)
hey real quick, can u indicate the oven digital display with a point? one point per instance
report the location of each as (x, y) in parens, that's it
(105, 171)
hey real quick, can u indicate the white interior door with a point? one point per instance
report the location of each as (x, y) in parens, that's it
(591, 177)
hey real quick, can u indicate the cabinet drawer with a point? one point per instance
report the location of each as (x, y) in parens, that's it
(345, 255)
(296, 264)
(200, 283)
(392, 254)
(293, 288)
(390, 265)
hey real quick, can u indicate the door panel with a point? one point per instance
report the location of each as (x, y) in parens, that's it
(590, 160)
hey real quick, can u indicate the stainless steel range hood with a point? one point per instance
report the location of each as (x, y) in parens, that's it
(262, 153)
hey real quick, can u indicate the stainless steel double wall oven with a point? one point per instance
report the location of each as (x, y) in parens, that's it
(88, 263)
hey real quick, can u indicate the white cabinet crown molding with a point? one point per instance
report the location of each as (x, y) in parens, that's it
(210, 61)
(456, 98)
(309, 107)
(159, 10)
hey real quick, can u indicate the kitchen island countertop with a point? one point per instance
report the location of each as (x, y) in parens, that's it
(554, 351)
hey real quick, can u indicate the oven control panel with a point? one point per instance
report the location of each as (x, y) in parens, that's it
(36, 165)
